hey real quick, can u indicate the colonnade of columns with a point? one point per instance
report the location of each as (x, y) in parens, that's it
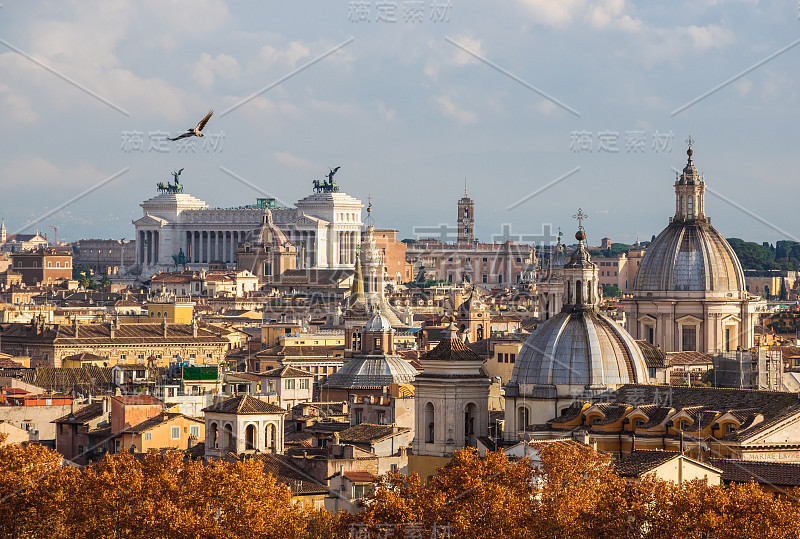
(347, 242)
(203, 247)
(147, 247)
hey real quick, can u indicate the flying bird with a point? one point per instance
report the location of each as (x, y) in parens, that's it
(197, 131)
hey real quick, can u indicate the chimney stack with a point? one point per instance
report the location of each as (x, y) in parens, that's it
(164, 325)
(75, 325)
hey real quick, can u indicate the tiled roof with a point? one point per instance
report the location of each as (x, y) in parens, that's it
(653, 355)
(244, 404)
(85, 380)
(83, 415)
(358, 476)
(689, 358)
(85, 356)
(287, 472)
(100, 333)
(569, 413)
(366, 433)
(480, 347)
(6, 363)
(286, 372)
(774, 406)
(640, 462)
(780, 474)
(451, 349)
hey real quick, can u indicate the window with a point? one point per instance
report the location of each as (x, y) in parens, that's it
(485, 278)
(499, 357)
(175, 433)
(303, 383)
(271, 386)
(209, 355)
(194, 430)
(123, 356)
(513, 358)
(361, 490)
(381, 417)
(689, 338)
(140, 356)
(148, 436)
(289, 383)
(357, 417)
(485, 259)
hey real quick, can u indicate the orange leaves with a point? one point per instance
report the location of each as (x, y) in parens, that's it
(157, 495)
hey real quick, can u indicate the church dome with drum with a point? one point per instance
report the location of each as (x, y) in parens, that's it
(689, 293)
(578, 353)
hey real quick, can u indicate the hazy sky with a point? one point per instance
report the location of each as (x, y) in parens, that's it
(88, 89)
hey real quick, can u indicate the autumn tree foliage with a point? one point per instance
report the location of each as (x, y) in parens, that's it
(158, 495)
(572, 493)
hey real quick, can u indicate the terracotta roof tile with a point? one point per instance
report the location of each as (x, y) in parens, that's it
(244, 405)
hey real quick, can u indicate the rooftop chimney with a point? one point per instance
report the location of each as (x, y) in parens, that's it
(75, 325)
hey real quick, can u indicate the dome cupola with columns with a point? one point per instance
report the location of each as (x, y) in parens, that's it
(578, 353)
(689, 293)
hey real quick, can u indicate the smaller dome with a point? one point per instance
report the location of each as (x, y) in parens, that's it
(267, 235)
(372, 371)
(377, 322)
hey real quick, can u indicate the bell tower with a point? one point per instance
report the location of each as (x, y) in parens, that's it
(466, 220)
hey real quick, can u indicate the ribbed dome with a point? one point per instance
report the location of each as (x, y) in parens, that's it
(690, 256)
(372, 371)
(377, 322)
(582, 349)
(267, 234)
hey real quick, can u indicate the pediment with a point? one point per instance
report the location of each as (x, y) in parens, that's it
(647, 319)
(150, 220)
(689, 319)
(781, 433)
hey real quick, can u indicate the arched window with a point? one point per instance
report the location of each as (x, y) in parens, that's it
(430, 423)
(470, 415)
(569, 292)
(480, 332)
(250, 437)
(689, 209)
(523, 418)
(214, 436)
(578, 290)
(227, 438)
(589, 294)
(270, 439)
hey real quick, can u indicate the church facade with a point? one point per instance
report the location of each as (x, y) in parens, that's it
(176, 227)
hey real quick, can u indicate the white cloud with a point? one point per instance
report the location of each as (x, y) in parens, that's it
(451, 110)
(673, 44)
(207, 67)
(461, 57)
(269, 56)
(596, 13)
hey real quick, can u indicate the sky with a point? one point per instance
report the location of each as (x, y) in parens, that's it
(541, 107)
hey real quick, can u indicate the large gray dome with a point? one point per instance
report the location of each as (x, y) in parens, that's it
(690, 256)
(578, 348)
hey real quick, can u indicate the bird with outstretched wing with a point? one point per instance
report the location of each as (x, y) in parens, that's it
(197, 131)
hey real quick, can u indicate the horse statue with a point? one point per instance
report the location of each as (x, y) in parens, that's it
(162, 187)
